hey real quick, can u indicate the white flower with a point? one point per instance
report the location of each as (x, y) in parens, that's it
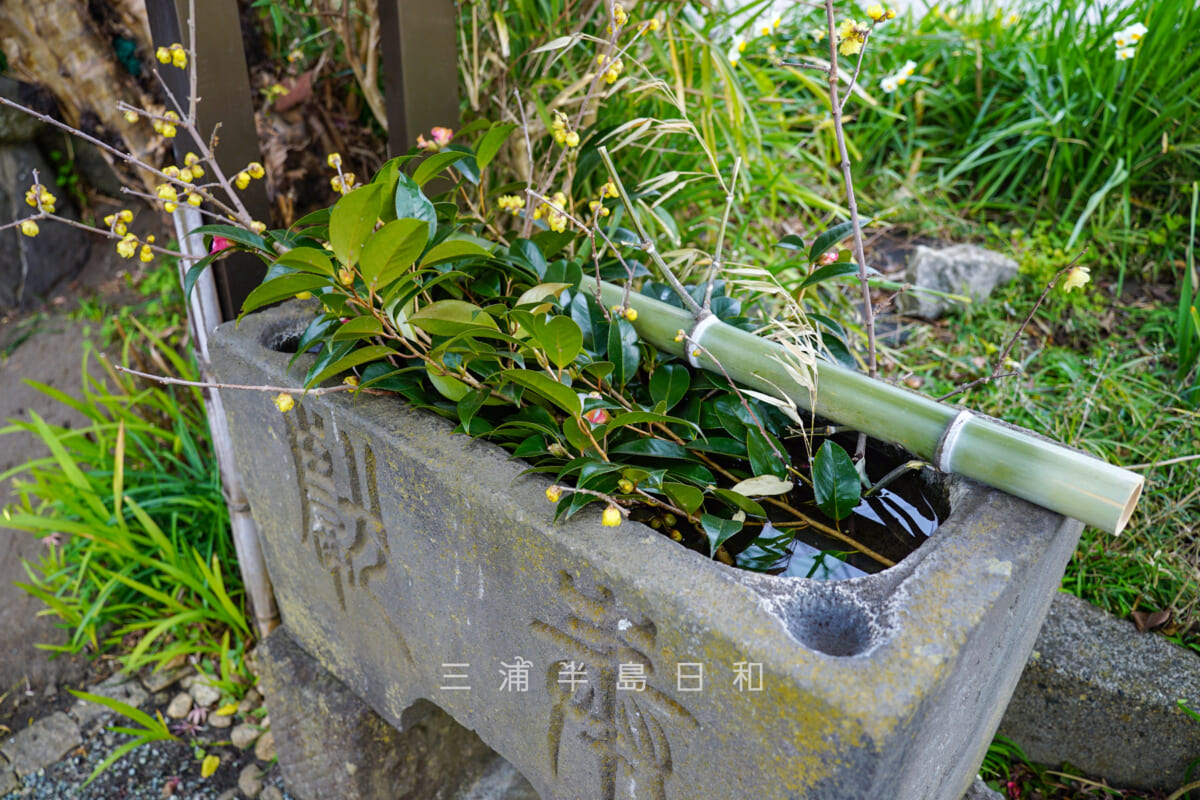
(1124, 53)
(909, 67)
(736, 50)
(1131, 35)
(889, 84)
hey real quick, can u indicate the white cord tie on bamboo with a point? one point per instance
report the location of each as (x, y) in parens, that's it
(693, 338)
(944, 451)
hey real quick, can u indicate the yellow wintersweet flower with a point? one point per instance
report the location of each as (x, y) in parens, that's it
(334, 160)
(29, 228)
(131, 117)
(127, 246)
(192, 162)
(194, 200)
(631, 314)
(511, 203)
(171, 171)
(257, 226)
(284, 402)
(876, 12)
(571, 139)
(614, 71)
(242, 179)
(342, 183)
(1076, 278)
(146, 254)
(163, 55)
(611, 517)
(166, 191)
(553, 493)
(851, 37)
(255, 169)
(178, 56)
(652, 24)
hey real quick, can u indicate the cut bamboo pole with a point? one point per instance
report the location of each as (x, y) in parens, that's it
(204, 314)
(955, 440)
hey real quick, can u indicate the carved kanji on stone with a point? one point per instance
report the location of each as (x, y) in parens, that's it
(626, 731)
(340, 508)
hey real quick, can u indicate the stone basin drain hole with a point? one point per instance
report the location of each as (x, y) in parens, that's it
(833, 624)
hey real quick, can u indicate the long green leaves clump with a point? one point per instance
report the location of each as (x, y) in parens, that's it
(131, 509)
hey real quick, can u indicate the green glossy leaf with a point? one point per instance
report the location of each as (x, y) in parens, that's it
(451, 317)
(828, 273)
(391, 250)
(653, 448)
(470, 404)
(573, 431)
(436, 163)
(411, 203)
(751, 507)
(447, 386)
(643, 418)
(316, 331)
(195, 271)
(669, 384)
(352, 221)
(763, 485)
(561, 338)
(491, 143)
(765, 453)
(562, 396)
(236, 234)
(373, 352)
(359, 328)
(791, 242)
(718, 530)
(452, 249)
(835, 481)
(306, 259)
(689, 498)
(623, 351)
(832, 236)
(281, 288)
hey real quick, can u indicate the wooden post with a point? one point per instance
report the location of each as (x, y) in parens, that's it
(420, 68)
(223, 84)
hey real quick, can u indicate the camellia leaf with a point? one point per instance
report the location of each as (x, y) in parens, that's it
(436, 163)
(352, 221)
(363, 327)
(450, 317)
(765, 452)
(561, 338)
(623, 350)
(452, 249)
(306, 259)
(828, 273)
(391, 250)
(281, 288)
(411, 203)
(689, 498)
(835, 481)
(740, 501)
(763, 485)
(491, 143)
(562, 396)
(718, 530)
(669, 384)
(373, 352)
(447, 386)
(832, 236)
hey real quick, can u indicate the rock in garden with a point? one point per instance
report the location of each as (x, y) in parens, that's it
(157, 681)
(251, 701)
(264, 748)
(118, 687)
(959, 269)
(41, 744)
(250, 781)
(205, 693)
(179, 706)
(10, 783)
(244, 735)
(271, 793)
(981, 791)
(220, 720)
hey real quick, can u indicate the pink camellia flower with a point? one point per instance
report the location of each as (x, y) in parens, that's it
(441, 138)
(828, 257)
(597, 416)
(219, 243)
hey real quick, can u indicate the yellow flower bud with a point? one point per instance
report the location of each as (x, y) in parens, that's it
(241, 180)
(255, 169)
(179, 57)
(170, 207)
(345, 276)
(350, 380)
(572, 139)
(554, 494)
(29, 228)
(168, 131)
(631, 314)
(257, 226)
(611, 518)
(625, 485)
(303, 295)
(146, 254)
(334, 160)
(194, 200)
(284, 402)
(171, 172)
(163, 55)
(131, 117)
(127, 247)
(125, 215)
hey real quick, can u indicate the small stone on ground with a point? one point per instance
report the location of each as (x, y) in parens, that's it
(41, 744)
(179, 706)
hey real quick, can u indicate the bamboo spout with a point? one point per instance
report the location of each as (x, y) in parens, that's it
(1003, 456)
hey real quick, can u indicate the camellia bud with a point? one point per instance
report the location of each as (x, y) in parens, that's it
(611, 518)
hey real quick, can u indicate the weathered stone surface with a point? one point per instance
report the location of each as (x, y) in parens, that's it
(118, 687)
(220, 720)
(180, 705)
(958, 269)
(331, 743)
(9, 782)
(420, 568)
(164, 678)
(203, 692)
(264, 748)
(981, 791)
(29, 267)
(1101, 696)
(41, 744)
(250, 781)
(245, 735)
(15, 126)
(271, 793)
